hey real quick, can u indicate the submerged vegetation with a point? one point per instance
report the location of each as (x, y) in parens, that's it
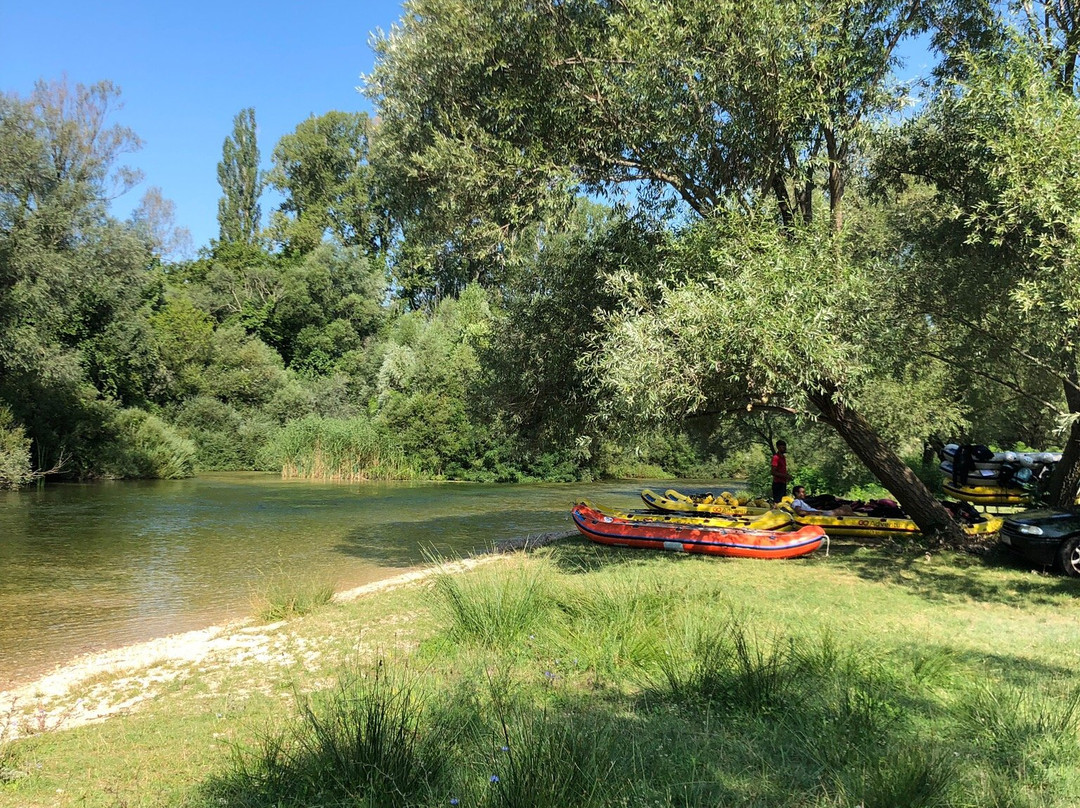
(582, 675)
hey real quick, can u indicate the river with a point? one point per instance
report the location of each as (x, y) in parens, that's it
(87, 567)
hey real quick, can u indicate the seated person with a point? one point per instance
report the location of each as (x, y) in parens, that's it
(804, 508)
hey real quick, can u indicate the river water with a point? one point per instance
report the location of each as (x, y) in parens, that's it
(86, 567)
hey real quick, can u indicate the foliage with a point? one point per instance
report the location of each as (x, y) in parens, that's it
(226, 437)
(1001, 234)
(550, 317)
(242, 370)
(322, 170)
(184, 336)
(747, 316)
(239, 214)
(14, 452)
(73, 282)
(701, 99)
(145, 446)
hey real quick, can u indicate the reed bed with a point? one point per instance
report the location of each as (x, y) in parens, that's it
(352, 450)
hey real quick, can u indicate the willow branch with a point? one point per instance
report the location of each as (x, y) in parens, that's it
(1057, 374)
(1016, 388)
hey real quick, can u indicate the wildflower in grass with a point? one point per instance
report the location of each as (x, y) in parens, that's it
(453, 800)
(505, 748)
(494, 778)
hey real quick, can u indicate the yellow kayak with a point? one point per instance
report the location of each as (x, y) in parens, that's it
(726, 504)
(871, 527)
(987, 494)
(770, 520)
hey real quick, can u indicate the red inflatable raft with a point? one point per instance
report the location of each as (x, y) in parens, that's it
(741, 543)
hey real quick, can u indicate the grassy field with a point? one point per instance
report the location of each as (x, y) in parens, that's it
(576, 675)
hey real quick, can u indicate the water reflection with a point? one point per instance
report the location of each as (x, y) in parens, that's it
(86, 567)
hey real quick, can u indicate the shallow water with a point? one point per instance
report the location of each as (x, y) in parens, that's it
(85, 567)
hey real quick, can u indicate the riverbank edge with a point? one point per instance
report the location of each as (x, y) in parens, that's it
(46, 704)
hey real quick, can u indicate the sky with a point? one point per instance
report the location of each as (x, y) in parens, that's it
(185, 69)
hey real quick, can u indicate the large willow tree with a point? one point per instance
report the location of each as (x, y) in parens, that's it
(743, 116)
(998, 244)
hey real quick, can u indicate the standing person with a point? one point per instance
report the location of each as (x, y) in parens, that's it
(780, 476)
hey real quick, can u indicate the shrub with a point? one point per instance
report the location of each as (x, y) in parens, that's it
(225, 437)
(14, 452)
(147, 447)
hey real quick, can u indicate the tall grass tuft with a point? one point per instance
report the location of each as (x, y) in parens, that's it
(912, 777)
(315, 448)
(362, 743)
(613, 627)
(494, 606)
(542, 761)
(285, 596)
(733, 668)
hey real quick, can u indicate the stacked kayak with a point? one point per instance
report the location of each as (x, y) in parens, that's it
(694, 535)
(726, 503)
(977, 475)
(988, 494)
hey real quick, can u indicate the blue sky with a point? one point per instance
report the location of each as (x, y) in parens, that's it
(185, 70)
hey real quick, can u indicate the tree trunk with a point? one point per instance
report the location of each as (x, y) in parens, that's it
(1066, 478)
(893, 473)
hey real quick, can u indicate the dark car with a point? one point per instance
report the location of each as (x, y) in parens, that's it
(1047, 537)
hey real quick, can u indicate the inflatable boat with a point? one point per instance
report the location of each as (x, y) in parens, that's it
(726, 503)
(987, 494)
(605, 527)
(870, 527)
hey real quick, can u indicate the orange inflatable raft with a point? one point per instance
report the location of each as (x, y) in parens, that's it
(611, 529)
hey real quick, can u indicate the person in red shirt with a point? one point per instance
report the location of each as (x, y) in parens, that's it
(780, 476)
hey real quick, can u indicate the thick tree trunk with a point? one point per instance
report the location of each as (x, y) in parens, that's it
(1065, 481)
(893, 473)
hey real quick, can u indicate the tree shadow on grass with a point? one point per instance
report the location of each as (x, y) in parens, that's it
(940, 576)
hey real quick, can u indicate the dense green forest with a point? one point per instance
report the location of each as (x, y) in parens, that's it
(577, 239)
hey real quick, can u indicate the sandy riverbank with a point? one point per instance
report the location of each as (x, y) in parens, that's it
(96, 686)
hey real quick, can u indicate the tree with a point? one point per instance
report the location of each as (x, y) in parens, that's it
(322, 170)
(155, 219)
(706, 105)
(554, 305)
(998, 150)
(73, 282)
(239, 216)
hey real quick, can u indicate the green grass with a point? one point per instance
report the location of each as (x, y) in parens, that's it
(583, 676)
(285, 596)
